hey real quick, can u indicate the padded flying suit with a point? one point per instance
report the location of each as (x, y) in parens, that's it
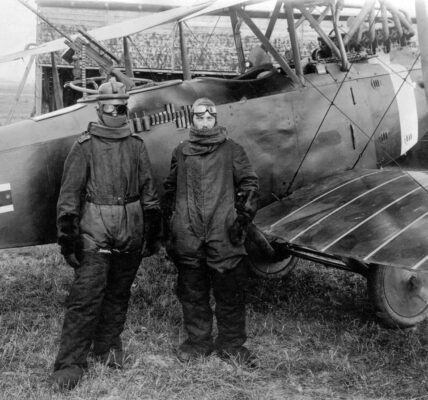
(205, 186)
(107, 184)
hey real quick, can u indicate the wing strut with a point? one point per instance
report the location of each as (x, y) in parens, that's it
(184, 56)
(319, 30)
(284, 65)
(19, 91)
(273, 19)
(368, 5)
(129, 71)
(344, 58)
(236, 28)
(58, 101)
(293, 40)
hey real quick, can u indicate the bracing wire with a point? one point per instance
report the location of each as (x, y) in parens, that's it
(370, 137)
(142, 58)
(331, 104)
(204, 44)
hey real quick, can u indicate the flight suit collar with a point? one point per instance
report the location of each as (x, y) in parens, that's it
(99, 130)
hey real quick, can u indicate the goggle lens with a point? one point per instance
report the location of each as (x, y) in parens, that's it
(111, 108)
(201, 109)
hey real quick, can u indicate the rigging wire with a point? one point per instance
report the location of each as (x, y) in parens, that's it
(204, 44)
(143, 58)
(370, 137)
(331, 103)
(174, 35)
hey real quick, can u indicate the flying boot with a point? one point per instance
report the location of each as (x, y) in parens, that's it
(65, 379)
(229, 292)
(112, 356)
(190, 350)
(241, 355)
(193, 290)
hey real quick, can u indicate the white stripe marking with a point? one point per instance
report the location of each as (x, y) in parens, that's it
(6, 209)
(407, 110)
(406, 101)
(417, 265)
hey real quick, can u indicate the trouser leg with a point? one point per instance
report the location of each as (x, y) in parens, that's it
(193, 291)
(82, 310)
(123, 269)
(229, 292)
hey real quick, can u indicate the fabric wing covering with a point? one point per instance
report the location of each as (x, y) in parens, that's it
(373, 216)
(120, 29)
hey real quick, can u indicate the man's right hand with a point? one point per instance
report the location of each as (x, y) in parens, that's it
(68, 238)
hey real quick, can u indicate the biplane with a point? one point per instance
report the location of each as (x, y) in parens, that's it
(320, 133)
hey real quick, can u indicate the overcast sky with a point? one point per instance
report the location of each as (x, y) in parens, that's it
(18, 28)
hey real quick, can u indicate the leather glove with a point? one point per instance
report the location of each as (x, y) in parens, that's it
(72, 260)
(246, 208)
(68, 239)
(247, 203)
(152, 228)
(238, 230)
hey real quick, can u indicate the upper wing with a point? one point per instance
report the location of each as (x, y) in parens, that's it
(119, 29)
(218, 5)
(373, 216)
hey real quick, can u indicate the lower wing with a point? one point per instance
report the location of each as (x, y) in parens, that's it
(371, 216)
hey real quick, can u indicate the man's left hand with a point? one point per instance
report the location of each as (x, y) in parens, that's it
(151, 247)
(72, 260)
(238, 230)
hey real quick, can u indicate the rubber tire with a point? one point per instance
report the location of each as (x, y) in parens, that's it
(266, 269)
(398, 304)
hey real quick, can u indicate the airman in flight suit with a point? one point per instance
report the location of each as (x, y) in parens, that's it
(212, 196)
(107, 215)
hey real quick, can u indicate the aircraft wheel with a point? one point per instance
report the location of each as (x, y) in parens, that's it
(401, 296)
(267, 269)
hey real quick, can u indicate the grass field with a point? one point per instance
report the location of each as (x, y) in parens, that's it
(315, 333)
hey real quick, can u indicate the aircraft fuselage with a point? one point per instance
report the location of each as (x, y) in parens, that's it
(293, 135)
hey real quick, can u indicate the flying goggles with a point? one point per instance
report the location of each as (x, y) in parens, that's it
(115, 108)
(201, 109)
